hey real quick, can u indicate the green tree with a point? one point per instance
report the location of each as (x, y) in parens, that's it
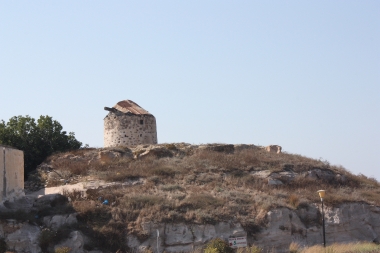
(38, 139)
(218, 246)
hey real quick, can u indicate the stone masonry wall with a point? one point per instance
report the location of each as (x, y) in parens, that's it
(129, 130)
(11, 173)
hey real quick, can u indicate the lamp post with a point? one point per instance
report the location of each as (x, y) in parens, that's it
(322, 195)
(158, 236)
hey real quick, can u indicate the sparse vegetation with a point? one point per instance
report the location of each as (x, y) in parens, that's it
(199, 185)
(62, 250)
(294, 247)
(218, 246)
(363, 247)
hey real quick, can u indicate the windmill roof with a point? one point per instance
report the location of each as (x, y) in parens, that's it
(126, 106)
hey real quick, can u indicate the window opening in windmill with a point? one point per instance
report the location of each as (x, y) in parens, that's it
(141, 122)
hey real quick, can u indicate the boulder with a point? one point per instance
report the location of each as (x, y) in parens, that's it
(322, 174)
(106, 156)
(24, 239)
(273, 181)
(275, 178)
(56, 221)
(49, 200)
(158, 152)
(284, 176)
(273, 149)
(75, 242)
(261, 173)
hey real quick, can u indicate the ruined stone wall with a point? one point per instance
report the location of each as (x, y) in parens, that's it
(11, 173)
(129, 129)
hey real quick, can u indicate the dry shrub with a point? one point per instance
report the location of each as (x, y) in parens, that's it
(218, 246)
(361, 247)
(74, 167)
(294, 247)
(73, 195)
(126, 169)
(92, 212)
(171, 187)
(139, 202)
(367, 182)
(62, 250)
(293, 200)
(164, 171)
(371, 195)
(171, 146)
(203, 200)
(113, 236)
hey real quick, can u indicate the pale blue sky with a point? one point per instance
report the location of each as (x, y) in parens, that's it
(301, 74)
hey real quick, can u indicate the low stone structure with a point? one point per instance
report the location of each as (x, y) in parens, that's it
(11, 173)
(273, 149)
(127, 124)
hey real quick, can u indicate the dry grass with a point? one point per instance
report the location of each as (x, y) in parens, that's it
(294, 247)
(362, 247)
(204, 186)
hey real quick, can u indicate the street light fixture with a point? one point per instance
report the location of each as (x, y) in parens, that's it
(322, 195)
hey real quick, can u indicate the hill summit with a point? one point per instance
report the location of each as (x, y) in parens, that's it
(191, 194)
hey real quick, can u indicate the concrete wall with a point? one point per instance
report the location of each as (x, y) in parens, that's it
(129, 129)
(11, 173)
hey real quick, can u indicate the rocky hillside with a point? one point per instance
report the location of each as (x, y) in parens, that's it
(120, 197)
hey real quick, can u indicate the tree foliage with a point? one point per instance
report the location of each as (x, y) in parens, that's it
(38, 139)
(218, 246)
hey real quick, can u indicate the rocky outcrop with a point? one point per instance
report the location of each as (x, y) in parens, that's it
(273, 149)
(24, 239)
(75, 242)
(182, 237)
(56, 221)
(283, 177)
(157, 152)
(109, 155)
(346, 223)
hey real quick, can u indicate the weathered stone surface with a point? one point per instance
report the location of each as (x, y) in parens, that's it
(158, 152)
(284, 176)
(56, 221)
(49, 200)
(279, 178)
(203, 233)
(261, 173)
(75, 242)
(124, 126)
(24, 239)
(347, 223)
(323, 174)
(25, 203)
(178, 234)
(183, 237)
(273, 181)
(110, 155)
(11, 173)
(273, 149)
